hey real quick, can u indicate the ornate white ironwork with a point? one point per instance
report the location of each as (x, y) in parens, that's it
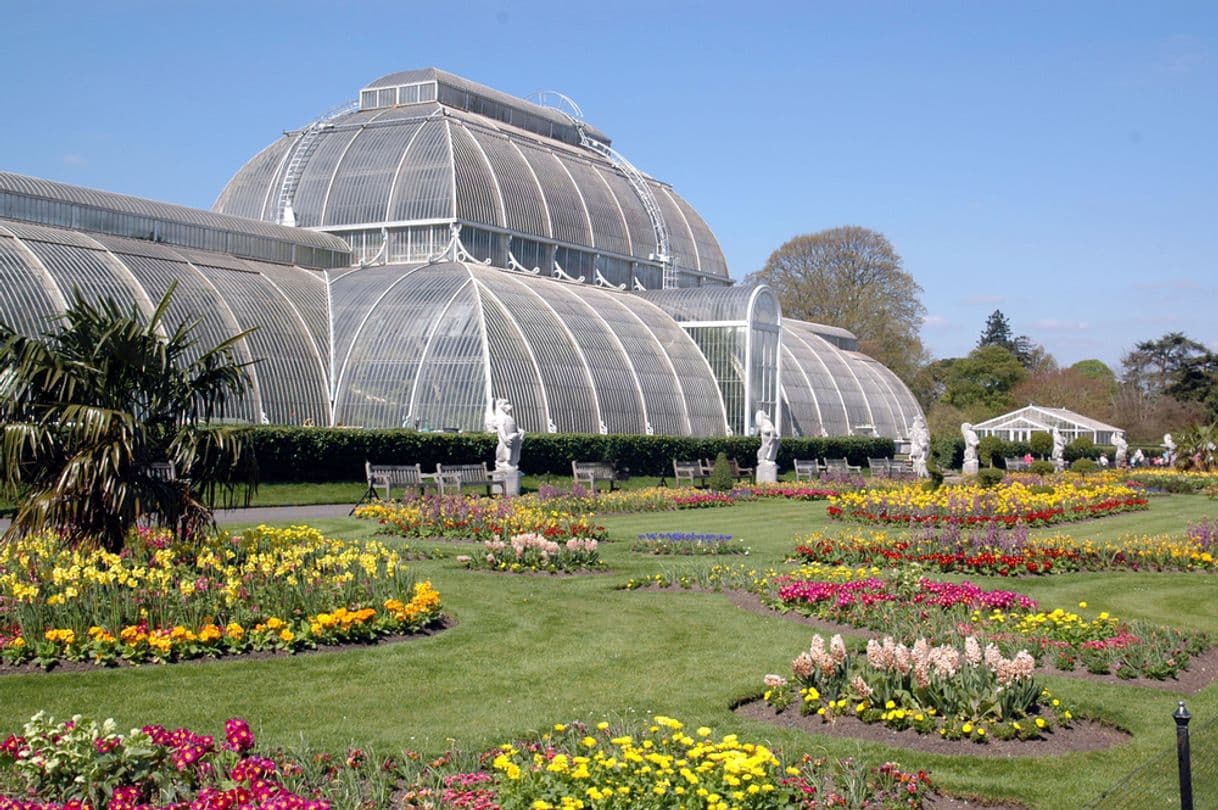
(302, 150)
(562, 274)
(637, 285)
(600, 281)
(455, 250)
(379, 258)
(514, 264)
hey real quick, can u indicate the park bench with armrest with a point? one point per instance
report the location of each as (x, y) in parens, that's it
(590, 472)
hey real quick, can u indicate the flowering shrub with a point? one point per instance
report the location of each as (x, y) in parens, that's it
(534, 553)
(1007, 505)
(267, 589)
(1012, 552)
(909, 607)
(82, 764)
(688, 543)
(666, 766)
(960, 692)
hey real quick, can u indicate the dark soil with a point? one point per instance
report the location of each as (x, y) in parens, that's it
(1083, 735)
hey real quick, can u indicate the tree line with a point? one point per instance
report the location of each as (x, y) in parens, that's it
(852, 277)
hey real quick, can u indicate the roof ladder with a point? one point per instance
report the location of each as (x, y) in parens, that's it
(637, 180)
(302, 150)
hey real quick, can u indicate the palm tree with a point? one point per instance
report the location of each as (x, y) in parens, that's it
(87, 408)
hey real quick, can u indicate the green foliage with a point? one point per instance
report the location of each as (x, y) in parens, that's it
(1042, 467)
(87, 406)
(338, 454)
(721, 477)
(989, 477)
(1083, 466)
(1082, 447)
(983, 380)
(987, 448)
(1041, 443)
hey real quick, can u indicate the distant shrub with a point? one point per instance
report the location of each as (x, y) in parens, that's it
(1083, 466)
(989, 477)
(721, 478)
(1043, 467)
(1041, 443)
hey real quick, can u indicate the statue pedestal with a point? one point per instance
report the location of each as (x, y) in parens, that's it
(970, 467)
(507, 482)
(767, 472)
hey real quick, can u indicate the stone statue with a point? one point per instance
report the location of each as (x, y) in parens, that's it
(970, 448)
(1169, 449)
(767, 453)
(1059, 447)
(769, 438)
(1122, 448)
(919, 446)
(507, 454)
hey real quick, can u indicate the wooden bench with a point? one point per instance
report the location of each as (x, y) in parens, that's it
(738, 472)
(880, 467)
(1015, 464)
(388, 476)
(808, 469)
(694, 472)
(593, 471)
(841, 465)
(458, 476)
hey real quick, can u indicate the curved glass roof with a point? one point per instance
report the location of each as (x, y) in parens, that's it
(466, 155)
(429, 346)
(41, 267)
(830, 391)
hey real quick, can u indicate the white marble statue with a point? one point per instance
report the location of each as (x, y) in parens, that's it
(1122, 448)
(507, 454)
(1169, 449)
(970, 448)
(1059, 448)
(769, 438)
(767, 453)
(919, 447)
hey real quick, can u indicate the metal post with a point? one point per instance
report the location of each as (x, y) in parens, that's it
(1181, 716)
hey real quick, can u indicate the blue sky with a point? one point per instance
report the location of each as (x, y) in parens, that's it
(1058, 161)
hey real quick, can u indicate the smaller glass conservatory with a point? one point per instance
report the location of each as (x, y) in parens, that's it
(1019, 425)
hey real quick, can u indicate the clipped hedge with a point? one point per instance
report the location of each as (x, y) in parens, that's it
(338, 454)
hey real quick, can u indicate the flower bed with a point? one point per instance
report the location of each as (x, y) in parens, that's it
(478, 518)
(688, 543)
(791, 492)
(666, 766)
(85, 765)
(909, 608)
(1012, 552)
(960, 692)
(266, 589)
(532, 553)
(1009, 504)
(81, 764)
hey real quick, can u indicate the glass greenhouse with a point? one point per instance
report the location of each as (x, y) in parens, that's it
(438, 244)
(1020, 424)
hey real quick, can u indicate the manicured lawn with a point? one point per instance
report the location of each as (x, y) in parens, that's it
(528, 651)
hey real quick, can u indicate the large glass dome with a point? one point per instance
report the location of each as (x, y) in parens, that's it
(529, 185)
